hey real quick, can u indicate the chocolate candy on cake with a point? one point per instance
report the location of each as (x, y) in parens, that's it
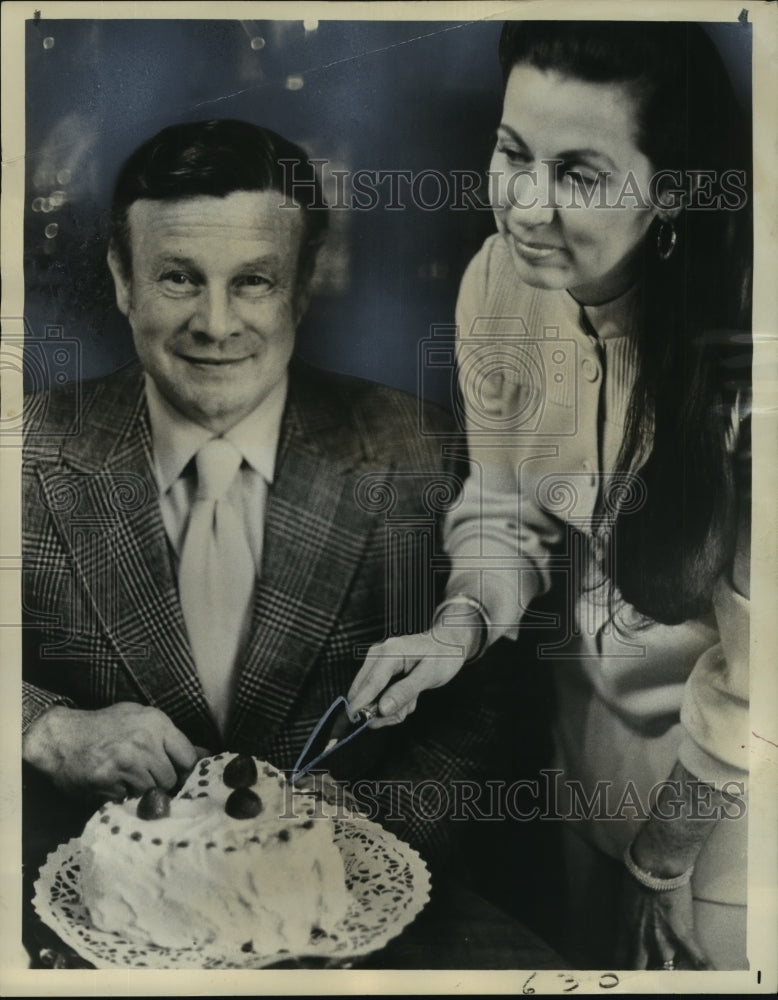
(241, 772)
(243, 804)
(153, 804)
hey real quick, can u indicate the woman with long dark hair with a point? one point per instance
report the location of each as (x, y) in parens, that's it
(604, 344)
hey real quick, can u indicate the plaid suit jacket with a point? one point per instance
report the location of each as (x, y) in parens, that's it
(351, 555)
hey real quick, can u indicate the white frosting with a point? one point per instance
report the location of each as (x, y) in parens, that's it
(199, 876)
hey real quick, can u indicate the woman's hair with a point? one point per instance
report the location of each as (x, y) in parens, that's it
(694, 341)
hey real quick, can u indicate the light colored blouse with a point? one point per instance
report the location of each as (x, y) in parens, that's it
(545, 385)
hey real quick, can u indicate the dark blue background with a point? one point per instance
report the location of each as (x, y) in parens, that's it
(374, 96)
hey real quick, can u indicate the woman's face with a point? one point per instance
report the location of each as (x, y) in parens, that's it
(576, 223)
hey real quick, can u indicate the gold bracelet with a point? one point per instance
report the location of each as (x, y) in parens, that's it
(652, 881)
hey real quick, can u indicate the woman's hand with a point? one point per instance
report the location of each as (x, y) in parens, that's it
(658, 929)
(658, 923)
(423, 661)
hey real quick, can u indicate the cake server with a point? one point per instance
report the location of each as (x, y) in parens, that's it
(333, 730)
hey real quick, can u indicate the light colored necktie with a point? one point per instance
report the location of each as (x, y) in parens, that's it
(216, 576)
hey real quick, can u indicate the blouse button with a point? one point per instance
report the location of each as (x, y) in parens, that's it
(590, 369)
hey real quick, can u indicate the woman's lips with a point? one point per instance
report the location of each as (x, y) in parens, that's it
(535, 250)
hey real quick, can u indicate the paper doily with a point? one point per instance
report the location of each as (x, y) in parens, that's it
(388, 882)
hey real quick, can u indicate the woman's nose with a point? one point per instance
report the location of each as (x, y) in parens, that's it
(529, 196)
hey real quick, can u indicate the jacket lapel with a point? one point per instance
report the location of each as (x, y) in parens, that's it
(315, 535)
(120, 552)
(314, 538)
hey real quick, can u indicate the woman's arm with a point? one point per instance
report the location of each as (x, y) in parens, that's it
(658, 918)
(659, 921)
(496, 539)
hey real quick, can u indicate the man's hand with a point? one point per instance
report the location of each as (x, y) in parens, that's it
(423, 661)
(110, 752)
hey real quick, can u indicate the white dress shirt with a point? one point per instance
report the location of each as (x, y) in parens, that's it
(176, 440)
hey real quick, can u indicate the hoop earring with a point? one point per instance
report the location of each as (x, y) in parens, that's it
(666, 238)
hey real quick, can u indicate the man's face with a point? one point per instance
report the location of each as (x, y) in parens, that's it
(213, 300)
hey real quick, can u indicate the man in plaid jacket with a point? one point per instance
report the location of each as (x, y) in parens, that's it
(212, 272)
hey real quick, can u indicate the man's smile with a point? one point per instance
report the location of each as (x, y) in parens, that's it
(214, 362)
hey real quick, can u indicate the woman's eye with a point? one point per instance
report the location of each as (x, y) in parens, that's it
(583, 178)
(512, 154)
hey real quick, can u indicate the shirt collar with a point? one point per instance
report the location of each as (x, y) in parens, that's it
(176, 439)
(256, 436)
(615, 318)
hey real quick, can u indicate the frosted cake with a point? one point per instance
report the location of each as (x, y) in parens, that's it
(231, 859)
